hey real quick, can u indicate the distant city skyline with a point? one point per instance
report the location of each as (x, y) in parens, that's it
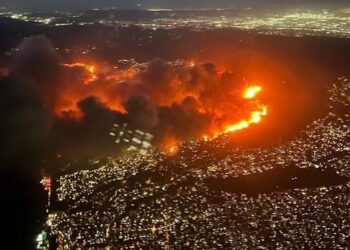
(176, 4)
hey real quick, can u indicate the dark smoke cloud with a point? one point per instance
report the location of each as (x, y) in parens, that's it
(181, 122)
(38, 61)
(36, 58)
(25, 123)
(141, 112)
(174, 101)
(165, 82)
(28, 95)
(179, 100)
(88, 136)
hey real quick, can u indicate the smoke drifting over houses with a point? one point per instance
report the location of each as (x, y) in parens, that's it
(175, 101)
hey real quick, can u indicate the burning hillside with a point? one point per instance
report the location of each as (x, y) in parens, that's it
(174, 100)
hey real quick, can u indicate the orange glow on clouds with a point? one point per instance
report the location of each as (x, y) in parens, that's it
(113, 86)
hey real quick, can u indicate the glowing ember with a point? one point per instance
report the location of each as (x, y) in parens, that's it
(251, 92)
(173, 150)
(89, 68)
(206, 138)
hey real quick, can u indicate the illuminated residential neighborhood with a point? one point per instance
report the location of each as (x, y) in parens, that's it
(176, 201)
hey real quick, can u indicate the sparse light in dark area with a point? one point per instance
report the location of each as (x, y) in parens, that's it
(175, 124)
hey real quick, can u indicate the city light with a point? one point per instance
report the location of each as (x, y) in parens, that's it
(182, 128)
(170, 200)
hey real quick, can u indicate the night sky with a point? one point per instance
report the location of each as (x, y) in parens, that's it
(182, 4)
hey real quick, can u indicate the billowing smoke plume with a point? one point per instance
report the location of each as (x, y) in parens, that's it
(38, 61)
(175, 100)
(25, 123)
(141, 112)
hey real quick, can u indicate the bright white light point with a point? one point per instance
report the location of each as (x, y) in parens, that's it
(251, 92)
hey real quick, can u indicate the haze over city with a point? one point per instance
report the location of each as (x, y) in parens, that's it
(168, 4)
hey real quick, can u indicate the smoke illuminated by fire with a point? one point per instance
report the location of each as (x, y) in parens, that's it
(254, 118)
(158, 95)
(176, 101)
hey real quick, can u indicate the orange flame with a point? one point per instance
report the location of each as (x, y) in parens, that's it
(89, 68)
(173, 149)
(251, 92)
(255, 116)
(219, 110)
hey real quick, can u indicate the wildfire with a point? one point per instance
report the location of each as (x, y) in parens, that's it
(255, 116)
(113, 86)
(251, 92)
(89, 68)
(172, 150)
